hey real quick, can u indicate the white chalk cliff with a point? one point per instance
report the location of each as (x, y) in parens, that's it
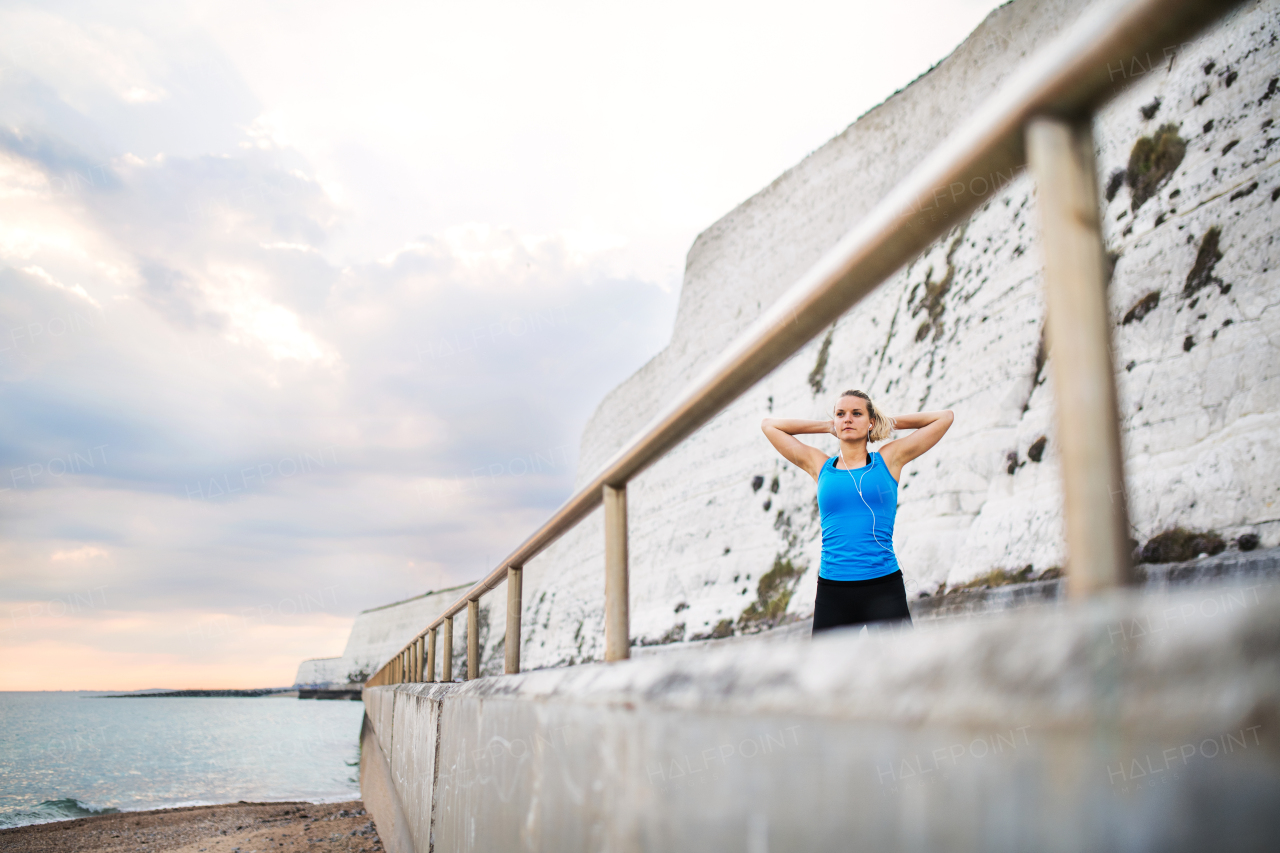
(377, 634)
(1187, 157)
(1191, 224)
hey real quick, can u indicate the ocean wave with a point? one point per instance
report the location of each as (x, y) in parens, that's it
(50, 811)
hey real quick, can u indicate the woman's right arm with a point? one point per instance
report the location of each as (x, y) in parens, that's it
(781, 433)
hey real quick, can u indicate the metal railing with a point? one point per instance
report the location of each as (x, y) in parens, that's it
(1040, 118)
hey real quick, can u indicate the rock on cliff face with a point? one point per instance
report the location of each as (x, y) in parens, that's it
(724, 533)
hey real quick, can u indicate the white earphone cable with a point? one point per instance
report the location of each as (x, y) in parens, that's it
(857, 485)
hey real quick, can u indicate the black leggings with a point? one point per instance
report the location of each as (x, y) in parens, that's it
(843, 603)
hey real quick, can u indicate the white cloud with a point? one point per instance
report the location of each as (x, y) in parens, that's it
(53, 282)
(19, 179)
(295, 247)
(238, 292)
(266, 132)
(84, 60)
(141, 95)
(79, 555)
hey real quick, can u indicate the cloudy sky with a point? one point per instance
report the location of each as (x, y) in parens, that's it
(304, 305)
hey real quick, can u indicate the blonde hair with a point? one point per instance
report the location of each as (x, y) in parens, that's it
(881, 423)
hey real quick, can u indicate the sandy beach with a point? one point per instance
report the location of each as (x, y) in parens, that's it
(233, 828)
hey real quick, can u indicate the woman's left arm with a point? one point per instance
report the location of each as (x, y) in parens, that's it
(929, 428)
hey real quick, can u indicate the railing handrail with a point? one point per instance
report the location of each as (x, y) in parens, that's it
(1070, 77)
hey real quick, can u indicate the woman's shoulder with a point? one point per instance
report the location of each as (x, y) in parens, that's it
(884, 463)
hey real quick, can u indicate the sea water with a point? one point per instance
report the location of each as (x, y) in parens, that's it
(66, 755)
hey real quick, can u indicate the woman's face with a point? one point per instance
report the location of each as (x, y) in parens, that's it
(851, 418)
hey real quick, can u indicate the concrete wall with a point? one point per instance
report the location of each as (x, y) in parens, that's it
(960, 328)
(1135, 723)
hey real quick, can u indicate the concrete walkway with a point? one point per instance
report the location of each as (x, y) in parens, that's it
(1143, 721)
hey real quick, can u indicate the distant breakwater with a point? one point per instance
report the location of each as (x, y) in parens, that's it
(265, 691)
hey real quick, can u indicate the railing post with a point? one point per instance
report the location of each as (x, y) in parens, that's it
(431, 655)
(473, 639)
(617, 594)
(417, 660)
(446, 660)
(1060, 154)
(514, 603)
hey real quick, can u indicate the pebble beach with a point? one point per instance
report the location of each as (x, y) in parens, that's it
(234, 828)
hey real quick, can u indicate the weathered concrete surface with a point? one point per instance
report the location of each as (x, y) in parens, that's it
(377, 786)
(1140, 722)
(1248, 569)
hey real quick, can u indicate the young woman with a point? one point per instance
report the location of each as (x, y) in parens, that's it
(859, 580)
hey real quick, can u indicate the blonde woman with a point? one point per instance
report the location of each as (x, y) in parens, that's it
(859, 580)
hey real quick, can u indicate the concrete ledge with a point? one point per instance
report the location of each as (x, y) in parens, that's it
(1241, 566)
(1135, 722)
(968, 602)
(1229, 566)
(1234, 566)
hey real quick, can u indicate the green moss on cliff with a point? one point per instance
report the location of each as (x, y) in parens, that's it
(773, 594)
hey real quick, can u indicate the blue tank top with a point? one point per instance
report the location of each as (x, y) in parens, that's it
(857, 529)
